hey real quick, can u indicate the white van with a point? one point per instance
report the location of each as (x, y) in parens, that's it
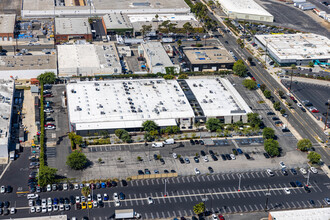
(32, 196)
(157, 144)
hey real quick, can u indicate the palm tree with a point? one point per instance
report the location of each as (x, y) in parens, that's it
(145, 29)
(85, 191)
(157, 16)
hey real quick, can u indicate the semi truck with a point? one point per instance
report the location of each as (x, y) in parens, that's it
(126, 214)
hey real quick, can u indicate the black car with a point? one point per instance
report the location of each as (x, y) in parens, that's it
(275, 118)
(78, 206)
(285, 173)
(210, 169)
(196, 142)
(162, 161)
(293, 184)
(61, 200)
(223, 157)
(234, 151)
(6, 204)
(101, 204)
(214, 157)
(196, 159)
(181, 160)
(228, 157)
(302, 109)
(72, 200)
(114, 183)
(311, 201)
(166, 171)
(1, 204)
(49, 119)
(38, 202)
(201, 142)
(173, 171)
(6, 211)
(155, 157)
(211, 152)
(9, 189)
(140, 172)
(307, 189)
(266, 155)
(203, 153)
(124, 182)
(247, 156)
(270, 113)
(192, 142)
(293, 171)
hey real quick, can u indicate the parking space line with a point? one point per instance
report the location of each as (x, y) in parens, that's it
(185, 213)
(262, 208)
(157, 180)
(179, 197)
(203, 178)
(184, 181)
(109, 204)
(184, 196)
(152, 181)
(137, 182)
(176, 179)
(231, 193)
(136, 199)
(257, 209)
(152, 216)
(228, 176)
(304, 204)
(247, 174)
(168, 213)
(217, 196)
(233, 208)
(257, 174)
(191, 212)
(240, 208)
(247, 208)
(233, 176)
(317, 187)
(320, 202)
(243, 194)
(262, 174)
(180, 214)
(163, 214)
(208, 178)
(252, 175)
(157, 215)
(217, 177)
(294, 206)
(299, 204)
(257, 190)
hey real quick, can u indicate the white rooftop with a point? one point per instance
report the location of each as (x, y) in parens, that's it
(67, 26)
(218, 97)
(244, 7)
(117, 21)
(126, 103)
(7, 23)
(6, 102)
(302, 214)
(297, 46)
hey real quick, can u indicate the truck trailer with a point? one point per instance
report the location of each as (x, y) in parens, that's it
(126, 214)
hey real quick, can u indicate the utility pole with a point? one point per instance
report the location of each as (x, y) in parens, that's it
(239, 182)
(267, 194)
(326, 117)
(291, 79)
(308, 177)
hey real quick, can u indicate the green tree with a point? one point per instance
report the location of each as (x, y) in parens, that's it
(304, 144)
(282, 111)
(293, 66)
(139, 158)
(254, 119)
(188, 27)
(267, 94)
(47, 78)
(179, 43)
(77, 160)
(169, 76)
(239, 68)
(183, 76)
(213, 124)
(126, 137)
(272, 147)
(280, 93)
(311, 64)
(263, 87)
(119, 133)
(145, 29)
(277, 106)
(268, 133)
(249, 59)
(46, 175)
(249, 84)
(149, 126)
(78, 140)
(85, 191)
(199, 208)
(100, 160)
(314, 157)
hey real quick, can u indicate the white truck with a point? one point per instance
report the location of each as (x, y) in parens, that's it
(12, 155)
(126, 214)
(169, 141)
(158, 144)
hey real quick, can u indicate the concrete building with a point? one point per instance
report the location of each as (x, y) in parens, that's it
(26, 67)
(72, 28)
(208, 59)
(301, 214)
(298, 49)
(245, 10)
(88, 60)
(7, 88)
(157, 59)
(46, 8)
(7, 26)
(109, 105)
(126, 104)
(117, 23)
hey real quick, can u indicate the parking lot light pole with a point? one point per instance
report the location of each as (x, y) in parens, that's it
(308, 177)
(239, 182)
(165, 188)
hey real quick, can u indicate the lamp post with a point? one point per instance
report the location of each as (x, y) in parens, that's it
(267, 194)
(308, 177)
(326, 117)
(165, 194)
(239, 182)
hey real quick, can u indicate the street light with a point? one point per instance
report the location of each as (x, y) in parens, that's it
(165, 180)
(326, 117)
(267, 194)
(308, 177)
(239, 182)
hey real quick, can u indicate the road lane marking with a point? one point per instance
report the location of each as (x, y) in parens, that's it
(252, 175)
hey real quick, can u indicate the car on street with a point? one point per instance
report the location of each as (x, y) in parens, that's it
(49, 208)
(121, 196)
(239, 150)
(32, 209)
(311, 201)
(105, 197)
(197, 171)
(83, 205)
(43, 209)
(287, 191)
(223, 157)
(117, 203)
(192, 142)
(211, 152)
(146, 171)
(175, 155)
(65, 186)
(270, 172)
(140, 172)
(150, 200)
(228, 156)
(173, 171)
(214, 157)
(313, 170)
(234, 151)
(303, 171)
(214, 217)
(247, 156)
(270, 113)
(3, 189)
(90, 204)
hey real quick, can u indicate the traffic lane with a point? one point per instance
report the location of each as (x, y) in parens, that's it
(30, 48)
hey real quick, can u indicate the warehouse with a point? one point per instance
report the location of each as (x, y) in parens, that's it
(7, 88)
(298, 49)
(72, 28)
(88, 60)
(208, 59)
(301, 214)
(245, 10)
(109, 105)
(7, 27)
(117, 23)
(157, 59)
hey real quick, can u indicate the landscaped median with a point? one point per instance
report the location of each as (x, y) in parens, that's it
(153, 176)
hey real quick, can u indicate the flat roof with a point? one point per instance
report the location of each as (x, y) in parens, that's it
(156, 54)
(88, 59)
(126, 103)
(208, 55)
(218, 97)
(51, 217)
(7, 23)
(297, 46)
(244, 7)
(115, 20)
(67, 26)
(6, 103)
(31, 62)
(302, 214)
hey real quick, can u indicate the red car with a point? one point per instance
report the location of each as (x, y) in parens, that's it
(292, 98)
(49, 124)
(315, 111)
(221, 217)
(254, 78)
(48, 95)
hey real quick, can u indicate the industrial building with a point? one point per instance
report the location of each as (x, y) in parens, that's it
(117, 23)
(96, 106)
(46, 8)
(208, 59)
(245, 10)
(26, 67)
(298, 49)
(301, 214)
(72, 28)
(157, 59)
(7, 27)
(7, 88)
(88, 60)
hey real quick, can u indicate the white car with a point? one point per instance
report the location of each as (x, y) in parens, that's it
(81, 185)
(206, 159)
(49, 201)
(313, 170)
(61, 207)
(44, 209)
(3, 189)
(76, 186)
(43, 202)
(49, 188)
(67, 207)
(232, 156)
(77, 199)
(214, 217)
(65, 186)
(99, 197)
(50, 208)
(38, 209)
(89, 197)
(287, 191)
(55, 208)
(197, 171)
(270, 172)
(150, 200)
(83, 199)
(95, 204)
(299, 105)
(282, 164)
(303, 171)
(12, 210)
(117, 203)
(115, 196)
(31, 202)
(32, 209)
(175, 155)
(32, 196)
